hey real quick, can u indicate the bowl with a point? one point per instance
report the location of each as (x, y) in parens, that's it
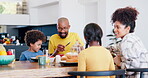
(6, 59)
(34, 59)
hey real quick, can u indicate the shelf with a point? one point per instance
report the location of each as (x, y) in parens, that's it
(14, 19)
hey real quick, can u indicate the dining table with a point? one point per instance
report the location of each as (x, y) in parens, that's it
(26, 69)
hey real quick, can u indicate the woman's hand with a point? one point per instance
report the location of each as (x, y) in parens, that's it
(117, 60)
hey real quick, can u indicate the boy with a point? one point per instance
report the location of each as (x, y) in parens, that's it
(33, 39)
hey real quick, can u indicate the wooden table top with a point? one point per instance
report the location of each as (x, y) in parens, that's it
(24, 69)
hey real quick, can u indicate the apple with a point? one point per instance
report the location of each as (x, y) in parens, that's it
(9, 53)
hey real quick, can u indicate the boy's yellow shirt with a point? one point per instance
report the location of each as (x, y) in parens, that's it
(55, 40)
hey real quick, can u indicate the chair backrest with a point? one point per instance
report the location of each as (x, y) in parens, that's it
(18, 50)
(98, 73)
(141, 70)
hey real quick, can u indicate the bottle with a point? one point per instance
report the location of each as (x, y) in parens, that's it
(24, 7)
(18, 8)
(76, 47)
(47, 57)
(17, 42)
(58, 59)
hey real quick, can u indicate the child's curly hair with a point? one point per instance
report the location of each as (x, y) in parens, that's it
(126, 16)
(33, 36)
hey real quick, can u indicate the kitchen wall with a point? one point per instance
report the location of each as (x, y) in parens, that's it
(141, 23)
(81, 12)
(75, 12)
(100, 11)
(52, 12)
(43, 12)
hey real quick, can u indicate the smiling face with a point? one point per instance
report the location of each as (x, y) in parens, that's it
(63, 28)
(36, 46)
(120, 30)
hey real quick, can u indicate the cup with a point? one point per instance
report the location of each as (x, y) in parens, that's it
(51, 61)
(42, 60)
(58, 59)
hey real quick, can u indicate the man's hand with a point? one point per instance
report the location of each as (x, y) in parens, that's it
(60, 48)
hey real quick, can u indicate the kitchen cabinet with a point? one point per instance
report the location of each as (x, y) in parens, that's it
(39, 13)
(14, 19)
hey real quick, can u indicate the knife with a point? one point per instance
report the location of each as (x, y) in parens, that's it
(67, 44)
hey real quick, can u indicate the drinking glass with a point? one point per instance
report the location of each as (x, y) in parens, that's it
(42, 60)
(51, 63)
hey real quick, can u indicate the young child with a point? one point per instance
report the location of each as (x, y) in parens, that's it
(95, 57)
(33, 39)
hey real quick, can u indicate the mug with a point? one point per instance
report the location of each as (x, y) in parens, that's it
(42, 60)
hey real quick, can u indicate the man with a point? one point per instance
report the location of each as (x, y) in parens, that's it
(62, 42)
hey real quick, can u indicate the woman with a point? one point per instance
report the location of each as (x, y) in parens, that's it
(95, 57)
(134, 54)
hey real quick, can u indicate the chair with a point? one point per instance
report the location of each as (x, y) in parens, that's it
(98, 73)
(141, 70)
(18, 49)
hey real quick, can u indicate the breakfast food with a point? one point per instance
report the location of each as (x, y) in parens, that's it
(3, 53)
(71, 60)
(39, 56)
(63, 57)
(70, 57)
(9, 53)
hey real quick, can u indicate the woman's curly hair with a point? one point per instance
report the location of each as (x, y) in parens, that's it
(33, 36)
(126, 16)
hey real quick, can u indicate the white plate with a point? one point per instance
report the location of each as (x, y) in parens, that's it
(63, 61)
(33, 58)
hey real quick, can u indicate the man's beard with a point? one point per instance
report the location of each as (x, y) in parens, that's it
(60, 34)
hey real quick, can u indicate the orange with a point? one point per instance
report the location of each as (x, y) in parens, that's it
(3, 53)
(7, 42)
